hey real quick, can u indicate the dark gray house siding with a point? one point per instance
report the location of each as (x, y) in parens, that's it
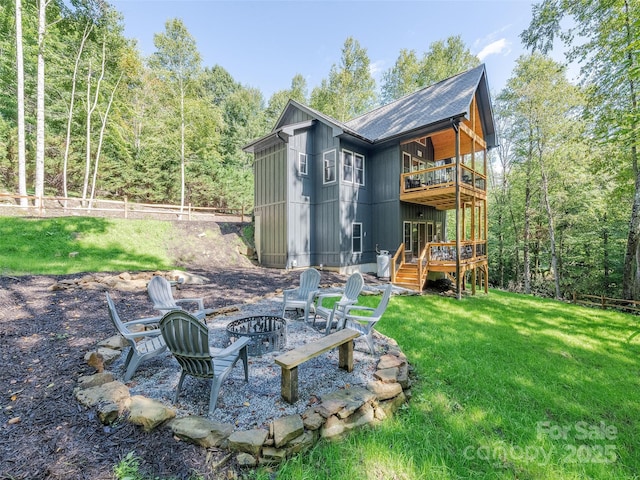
(303, 220)
(271, 205)
(325, 204)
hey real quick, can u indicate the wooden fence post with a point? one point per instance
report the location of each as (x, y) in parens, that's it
(126, 214)
(602, 301)
(575, 297)
(189, 211)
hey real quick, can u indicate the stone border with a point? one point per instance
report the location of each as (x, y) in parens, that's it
(338, 412)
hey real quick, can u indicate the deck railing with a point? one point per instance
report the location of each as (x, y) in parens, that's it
(445, 252)
(440, 177)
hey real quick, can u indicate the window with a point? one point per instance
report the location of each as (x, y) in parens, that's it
(347, 166)
(358, 169)
(352, 167)
(356, 238)
(302, 163)
(329, 166)
(406, 162)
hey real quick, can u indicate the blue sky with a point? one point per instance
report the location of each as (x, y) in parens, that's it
(263, 44)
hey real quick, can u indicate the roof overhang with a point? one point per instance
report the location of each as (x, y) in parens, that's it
(281, 135)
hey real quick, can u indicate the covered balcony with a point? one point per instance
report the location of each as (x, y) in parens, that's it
(452, 177)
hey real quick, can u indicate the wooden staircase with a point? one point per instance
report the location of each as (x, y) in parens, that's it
(407, 276)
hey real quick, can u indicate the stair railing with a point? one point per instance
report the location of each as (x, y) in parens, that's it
(394, 262)
(423, 262)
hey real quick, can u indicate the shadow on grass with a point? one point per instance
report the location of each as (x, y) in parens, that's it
(507, 386)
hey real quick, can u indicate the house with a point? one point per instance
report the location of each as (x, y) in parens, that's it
(333, 195)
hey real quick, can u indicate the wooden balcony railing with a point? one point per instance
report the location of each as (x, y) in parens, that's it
(442, 177)
(444, 253)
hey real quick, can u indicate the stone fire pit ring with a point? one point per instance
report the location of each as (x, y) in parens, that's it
(268, 333)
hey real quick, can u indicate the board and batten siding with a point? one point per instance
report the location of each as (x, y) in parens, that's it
(300, 212)
(385, 188)
(325, 203)
(270, 197)
(355, 207)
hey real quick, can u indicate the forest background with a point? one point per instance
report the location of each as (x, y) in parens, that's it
(106, 122)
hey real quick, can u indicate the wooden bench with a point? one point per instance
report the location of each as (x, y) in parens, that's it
(290, 360)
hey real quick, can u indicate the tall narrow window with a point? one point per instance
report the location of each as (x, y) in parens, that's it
(406, 162)
(302, 163)
(329, 166)
(347, 166)
(356, 238)
(358, 169)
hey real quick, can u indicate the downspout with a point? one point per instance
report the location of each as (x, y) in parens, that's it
(288, 263)
(456, 128)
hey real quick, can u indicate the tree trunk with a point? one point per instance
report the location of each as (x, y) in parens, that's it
(631, 272)
(90, 108)
(526, 267)
(39, 183)
(182, 128)
(99, 149)
(552, 236)
(65, 161)
(22, 157)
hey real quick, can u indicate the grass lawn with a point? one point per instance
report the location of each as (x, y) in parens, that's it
(65, 245)
(507, 386)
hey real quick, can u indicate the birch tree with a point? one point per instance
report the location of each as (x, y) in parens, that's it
(22, 158)
(40, 114)
(178, 61)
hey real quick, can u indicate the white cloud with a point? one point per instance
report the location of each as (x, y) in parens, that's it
(493, 48)
(376, 68)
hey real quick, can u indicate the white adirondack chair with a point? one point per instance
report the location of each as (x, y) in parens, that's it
(301, 298)
(365, 323)
(346, 296)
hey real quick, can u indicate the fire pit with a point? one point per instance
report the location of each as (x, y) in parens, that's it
(267, 333)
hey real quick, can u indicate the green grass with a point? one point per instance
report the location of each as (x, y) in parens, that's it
(507, 386)
(65, 245)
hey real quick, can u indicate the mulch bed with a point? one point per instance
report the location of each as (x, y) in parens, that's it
(44, 335)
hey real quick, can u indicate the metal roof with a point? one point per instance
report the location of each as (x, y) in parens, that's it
(445, 100)
(432, 106)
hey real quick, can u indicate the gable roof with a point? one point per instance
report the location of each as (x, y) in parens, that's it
(441, 102)
(423, 111)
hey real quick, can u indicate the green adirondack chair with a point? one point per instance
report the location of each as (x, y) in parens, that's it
(188, 339)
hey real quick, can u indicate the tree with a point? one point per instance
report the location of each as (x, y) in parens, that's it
(42, 26)
(543, 107)
(277, 102)
(350, 89)
(178, 59)
(22, 159)
(403, 78)
(603, 36)
(443, 60)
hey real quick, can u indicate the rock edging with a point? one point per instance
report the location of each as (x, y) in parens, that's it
(336, 414)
